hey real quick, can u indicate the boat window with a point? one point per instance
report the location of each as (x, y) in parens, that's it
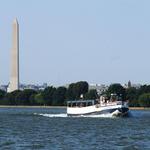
(81, 104)
(73, 104)
(89, 103)
(78, 104)
(69, 104)
(84, 104)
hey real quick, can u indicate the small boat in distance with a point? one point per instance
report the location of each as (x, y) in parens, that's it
(114, 106)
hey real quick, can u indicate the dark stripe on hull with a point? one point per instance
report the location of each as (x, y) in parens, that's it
(122, 112)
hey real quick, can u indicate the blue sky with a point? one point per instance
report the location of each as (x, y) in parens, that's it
(64, 41)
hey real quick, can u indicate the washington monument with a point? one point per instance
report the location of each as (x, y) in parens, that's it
(14, 75)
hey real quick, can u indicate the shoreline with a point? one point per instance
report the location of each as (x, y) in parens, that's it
(21, 106)
(139, 108)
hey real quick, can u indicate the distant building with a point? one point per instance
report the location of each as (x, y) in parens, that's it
(33, 87)
(4, 87)
(100, 88)
(137, 86)
(129, 84)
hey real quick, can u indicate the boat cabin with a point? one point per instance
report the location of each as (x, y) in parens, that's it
(80, 103)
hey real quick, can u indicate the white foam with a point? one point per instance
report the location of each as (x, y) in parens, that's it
(101, 116)
(53, 115)
(65, 115)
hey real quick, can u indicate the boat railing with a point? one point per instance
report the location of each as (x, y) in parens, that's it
(108, 103)
(97, 104)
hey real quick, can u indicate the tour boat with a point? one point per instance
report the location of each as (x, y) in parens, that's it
(97, 107)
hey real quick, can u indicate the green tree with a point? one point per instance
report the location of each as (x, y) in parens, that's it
(10, 98)
(2, 94)
(117, 89)
(24, 97)
(47, 95)
(59, 96)
(144, 89)
(39, 100)
(144, 100)
(82, 88)
(76, 89)
(132, 96)
(71, 93)
(91, 94)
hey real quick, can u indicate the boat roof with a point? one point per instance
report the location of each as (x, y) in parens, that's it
(80, 101)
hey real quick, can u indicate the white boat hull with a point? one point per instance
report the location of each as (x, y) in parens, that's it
(116, 110)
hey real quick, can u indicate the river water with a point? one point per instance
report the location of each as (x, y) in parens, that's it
(46, 129)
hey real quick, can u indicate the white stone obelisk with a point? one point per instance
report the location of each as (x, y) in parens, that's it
(14, 75)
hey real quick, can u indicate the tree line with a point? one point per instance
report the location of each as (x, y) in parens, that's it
(136, 97)
(52, 96)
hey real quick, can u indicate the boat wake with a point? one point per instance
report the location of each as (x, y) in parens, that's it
(52, 115)
(65, 115)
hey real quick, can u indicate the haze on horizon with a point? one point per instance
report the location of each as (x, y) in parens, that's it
(68, 41)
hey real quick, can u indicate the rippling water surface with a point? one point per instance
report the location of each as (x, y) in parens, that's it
(46, 129)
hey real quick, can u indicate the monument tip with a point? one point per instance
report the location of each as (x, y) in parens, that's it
(15, 20)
